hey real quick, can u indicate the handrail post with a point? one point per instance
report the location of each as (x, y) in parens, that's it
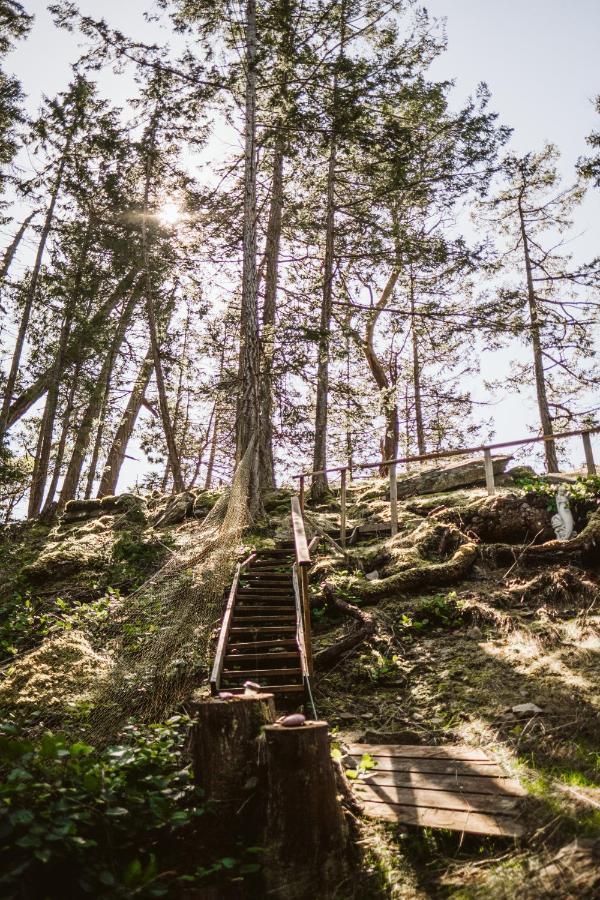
(393, 500)
(302, 494)
(488, 464)
(589, 454)
(343, 508)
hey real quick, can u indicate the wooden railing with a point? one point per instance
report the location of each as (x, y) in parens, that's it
(488, 463)
(217, 669)
(300, 577)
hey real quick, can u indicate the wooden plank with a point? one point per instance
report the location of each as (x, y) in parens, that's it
(262, 645)
(488, 464)
(416, 751)
(224, 634)
(243, 673)
(468, 783)
(302, 554)
(472, 823)
(589, 453)
(434, 766)
(458, 800)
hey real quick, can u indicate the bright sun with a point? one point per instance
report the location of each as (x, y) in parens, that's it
(169, 213)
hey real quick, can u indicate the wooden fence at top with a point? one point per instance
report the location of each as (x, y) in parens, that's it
(486, 450)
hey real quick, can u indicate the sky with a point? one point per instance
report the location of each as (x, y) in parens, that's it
(540, 59)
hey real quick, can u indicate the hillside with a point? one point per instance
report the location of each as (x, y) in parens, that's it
(477, 630)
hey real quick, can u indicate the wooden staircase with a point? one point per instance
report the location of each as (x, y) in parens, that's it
(265, 633)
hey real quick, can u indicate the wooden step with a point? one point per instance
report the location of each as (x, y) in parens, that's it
(260, 657)
(256, 608)
(262, 645)
(274, 689)
(255, 673)
(267, 629)
(286, 590)
(257, 621)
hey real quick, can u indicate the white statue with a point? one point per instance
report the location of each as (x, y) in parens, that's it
(563, 522)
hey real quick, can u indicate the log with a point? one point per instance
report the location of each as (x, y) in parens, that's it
(366, 628)
(225, 744)
(306, 840)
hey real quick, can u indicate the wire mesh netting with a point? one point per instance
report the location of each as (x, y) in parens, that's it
(161, 635)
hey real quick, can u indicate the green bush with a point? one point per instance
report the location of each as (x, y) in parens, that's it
(77, 822)
(584, 493)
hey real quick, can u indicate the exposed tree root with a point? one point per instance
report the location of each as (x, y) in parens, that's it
(423, 575)
(559, 587)
(584, 548)
(325, 658)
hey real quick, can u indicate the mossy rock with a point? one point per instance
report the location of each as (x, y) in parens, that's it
(69, 557)
(204, 502)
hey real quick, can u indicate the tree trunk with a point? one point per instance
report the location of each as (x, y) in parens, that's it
(389, 443)
(225, 742)
(536, 345)
(306, 839)
(248, 412)
(416, 373)
(320, 486)
(76, 348)
(265, 446)
(42, 458)
(33, 283)
(116, 454)
(73, 474)
(213, 453)
(62, 442)
(98, 439)
(207, 440)
(152, 327)
(9, 254)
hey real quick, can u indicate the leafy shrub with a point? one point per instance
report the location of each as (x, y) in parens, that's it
(584, 493)
(379, 667)
(26, 620)
(77, 822)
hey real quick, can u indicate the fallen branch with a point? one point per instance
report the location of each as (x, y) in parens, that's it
(324, 658)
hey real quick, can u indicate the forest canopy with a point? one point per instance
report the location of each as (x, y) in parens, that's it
(290, 234)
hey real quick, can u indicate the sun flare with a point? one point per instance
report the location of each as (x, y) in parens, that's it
(169, 213)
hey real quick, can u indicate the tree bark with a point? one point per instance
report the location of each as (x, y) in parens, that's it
(225, 739)
(248, 405)
(416, 373)
(320, 485)
(265, 445)
(536, 345)
(116, 454)
(11, 250)
(306, 842)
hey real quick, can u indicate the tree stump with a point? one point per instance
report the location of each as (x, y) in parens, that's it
(306, 837)
(225, 744)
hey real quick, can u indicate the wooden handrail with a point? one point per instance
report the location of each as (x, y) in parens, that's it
(217, 669)
(300, 629)
(300, 577)
(300, 544)
(443, 454)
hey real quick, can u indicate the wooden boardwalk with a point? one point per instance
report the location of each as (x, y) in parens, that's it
(453, 787)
